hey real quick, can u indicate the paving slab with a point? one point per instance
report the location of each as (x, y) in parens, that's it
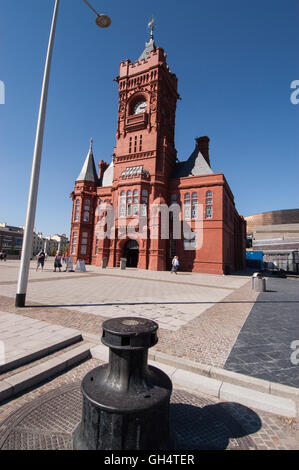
(25, 344)
(32, 376)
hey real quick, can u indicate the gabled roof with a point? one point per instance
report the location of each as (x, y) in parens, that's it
(89, 172)
(196, 165)
(108, 175)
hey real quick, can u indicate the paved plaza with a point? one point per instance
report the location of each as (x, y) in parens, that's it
(210, 321)
(179, 303)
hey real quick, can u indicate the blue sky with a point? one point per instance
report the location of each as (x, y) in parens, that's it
(234, 59)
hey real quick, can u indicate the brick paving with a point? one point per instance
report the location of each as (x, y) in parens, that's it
(262, 348)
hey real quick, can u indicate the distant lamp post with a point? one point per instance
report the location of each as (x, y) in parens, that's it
(103, 21)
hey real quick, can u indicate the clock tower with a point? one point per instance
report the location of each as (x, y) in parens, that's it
(146, 115)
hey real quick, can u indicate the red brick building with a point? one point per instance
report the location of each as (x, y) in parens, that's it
(144, 172)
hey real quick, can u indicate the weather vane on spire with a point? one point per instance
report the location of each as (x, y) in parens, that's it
(151, 26)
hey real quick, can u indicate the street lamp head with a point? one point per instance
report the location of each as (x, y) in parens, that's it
(103, 21)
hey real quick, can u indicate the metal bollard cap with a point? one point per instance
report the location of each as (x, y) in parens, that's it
(129, 333)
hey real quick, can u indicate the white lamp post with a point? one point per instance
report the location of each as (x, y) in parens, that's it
(103, 21)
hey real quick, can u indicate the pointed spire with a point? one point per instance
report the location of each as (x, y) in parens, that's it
(88, 172)
(149, 46)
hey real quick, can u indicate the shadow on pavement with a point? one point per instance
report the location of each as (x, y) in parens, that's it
(214, 427)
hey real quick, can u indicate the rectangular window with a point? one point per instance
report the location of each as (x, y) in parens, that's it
(140, 143)
(122, 210)
(83, 250)
(129, 209)
(74, 243)
(209, 212)
(143, 210)
(77, 210)
(194, 212)
(84, 238)
(186, 211)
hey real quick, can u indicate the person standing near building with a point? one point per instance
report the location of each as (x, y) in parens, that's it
(57, 262)
(65, 259)
(175, 265)
(41, 260)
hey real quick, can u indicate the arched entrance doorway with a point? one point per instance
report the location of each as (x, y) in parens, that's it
(131, 252)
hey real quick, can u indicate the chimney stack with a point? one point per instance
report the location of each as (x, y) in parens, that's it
(203, 146)
(102, 168)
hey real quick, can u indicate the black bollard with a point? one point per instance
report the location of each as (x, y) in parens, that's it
(126, 402)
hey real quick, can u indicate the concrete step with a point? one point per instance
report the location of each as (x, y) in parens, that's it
(37, 350)
(32, 376)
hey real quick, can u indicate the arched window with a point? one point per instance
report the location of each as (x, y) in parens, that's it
(209, 205)
(194, 203)
(77, 210)
(187, 212)
(128, 203)
(86, 210)
(122, 204)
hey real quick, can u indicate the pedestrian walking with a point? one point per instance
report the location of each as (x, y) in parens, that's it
(175, 265)
(57, 262)
(1, 256)
(65, 259)
(41, 260)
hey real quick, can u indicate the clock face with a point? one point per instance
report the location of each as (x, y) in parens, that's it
(140, 107)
